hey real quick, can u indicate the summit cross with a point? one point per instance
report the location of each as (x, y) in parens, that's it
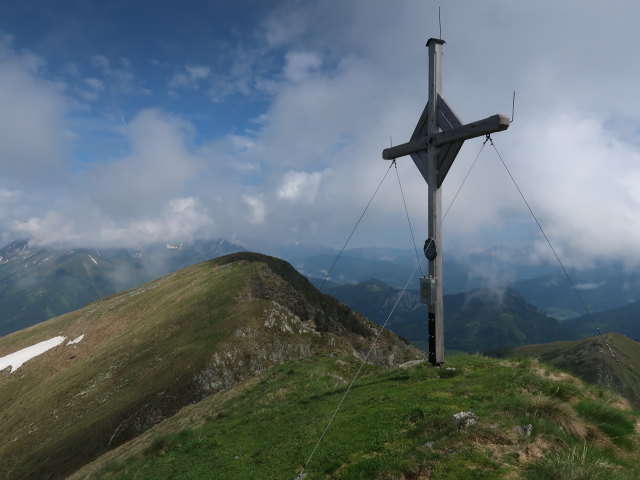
(434, 145)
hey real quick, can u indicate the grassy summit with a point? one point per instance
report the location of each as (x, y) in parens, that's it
(395, 424)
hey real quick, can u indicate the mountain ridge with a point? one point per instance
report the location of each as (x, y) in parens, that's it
(150, 351)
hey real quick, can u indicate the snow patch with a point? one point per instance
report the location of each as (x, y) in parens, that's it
(93, 259)
(16, 359)
(76, 340)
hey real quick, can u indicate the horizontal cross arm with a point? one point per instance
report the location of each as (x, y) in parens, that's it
(495, 123)
(408, 148)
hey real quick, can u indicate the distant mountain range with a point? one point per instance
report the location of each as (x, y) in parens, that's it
(38, 282)
(625, 320)
(476, 321)
(603, 286)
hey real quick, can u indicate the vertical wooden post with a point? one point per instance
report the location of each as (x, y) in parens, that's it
(433, 147)
(436, 311)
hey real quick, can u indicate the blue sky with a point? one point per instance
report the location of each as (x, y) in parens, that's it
(123, 123)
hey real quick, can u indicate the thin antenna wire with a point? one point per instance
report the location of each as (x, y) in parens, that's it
(355, 377)
(566, 272)
(354, 228)
(465, 178)
(406, 211)
(439, 23)
(513, 106)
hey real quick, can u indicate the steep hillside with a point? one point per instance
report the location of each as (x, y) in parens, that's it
(38, 283)
(476, 321)
(516, 420)
(591, 360)
(625, 320)
(123, 364)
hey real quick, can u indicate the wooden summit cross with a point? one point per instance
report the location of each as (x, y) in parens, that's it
(435, 142)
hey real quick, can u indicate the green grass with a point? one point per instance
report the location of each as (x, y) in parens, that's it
(578, 462)
(395, 424)
(609, 420)
(590, 360)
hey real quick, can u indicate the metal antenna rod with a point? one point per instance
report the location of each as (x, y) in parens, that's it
(439, 22)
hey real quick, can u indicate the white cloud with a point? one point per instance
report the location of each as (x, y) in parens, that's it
(159, 167)
(284, 25)
(299, 65)
(134, 199)
(178, 219)
(257, 209)
(33, 138)
(299, 186)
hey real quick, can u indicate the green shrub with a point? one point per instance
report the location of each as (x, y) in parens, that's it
(577, 463)
(613, 422)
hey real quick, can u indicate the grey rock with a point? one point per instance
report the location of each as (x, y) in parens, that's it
(524, 429)
(464, 419)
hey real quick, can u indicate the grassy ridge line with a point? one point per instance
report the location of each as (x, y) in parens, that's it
(73, 399)
(591, 360)
(396, 424)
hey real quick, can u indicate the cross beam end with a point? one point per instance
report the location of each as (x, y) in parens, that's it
(408, 148)
(494, 123)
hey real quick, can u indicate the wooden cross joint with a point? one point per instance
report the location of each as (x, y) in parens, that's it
(450, 137)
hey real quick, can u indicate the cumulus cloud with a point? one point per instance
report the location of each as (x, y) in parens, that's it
(33, 138)
(179, 219)
(257, 209)
(284, 24)
(299, 65)
(159, 166)
(585, 184)
(135, 199)
(299, 186)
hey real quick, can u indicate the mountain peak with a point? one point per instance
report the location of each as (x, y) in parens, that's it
(152, 350)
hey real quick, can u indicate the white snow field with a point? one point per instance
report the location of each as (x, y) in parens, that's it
(15, 360)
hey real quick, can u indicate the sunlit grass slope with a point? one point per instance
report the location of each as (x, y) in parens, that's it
(395, 424)
(150, 351)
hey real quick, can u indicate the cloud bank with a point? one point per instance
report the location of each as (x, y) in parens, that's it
(334, 81)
